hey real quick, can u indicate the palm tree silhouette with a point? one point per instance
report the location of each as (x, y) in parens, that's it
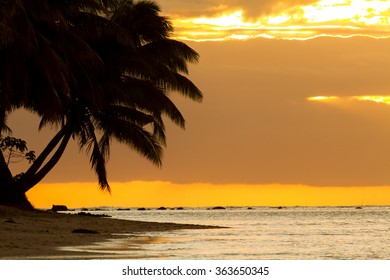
(99, 70)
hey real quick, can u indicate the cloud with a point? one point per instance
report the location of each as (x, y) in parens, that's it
(305, 19)
(252, 9)
(255, 9)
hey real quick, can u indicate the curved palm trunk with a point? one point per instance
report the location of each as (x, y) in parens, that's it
(38, 176)
(31, 172)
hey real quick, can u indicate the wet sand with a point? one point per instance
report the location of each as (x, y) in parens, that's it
(48, 235)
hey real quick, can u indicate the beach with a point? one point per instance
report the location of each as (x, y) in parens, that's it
(232, 233)
(41, 234)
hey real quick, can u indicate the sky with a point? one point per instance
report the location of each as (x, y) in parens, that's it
(296, 104)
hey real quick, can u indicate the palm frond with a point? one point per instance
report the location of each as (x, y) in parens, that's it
(135, 137)
(150, 98)
(98, 163)
(74, 6)
(55, 121)
(76, 47)
(159, 129)
(3, 123)
(142, 21)
(184, 86)
(104, 145)
(97, 29)
(159, 74)
(111, 4)
(176, 55)
(171, 80)
(54, 67)
(87, 138)
(6, 35)
(14, 18)
(129, 114)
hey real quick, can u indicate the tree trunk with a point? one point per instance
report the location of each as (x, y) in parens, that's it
(12, 192)
(9, 193)
(50, 164)
(5, 174)
(43, 155)
(13, 196)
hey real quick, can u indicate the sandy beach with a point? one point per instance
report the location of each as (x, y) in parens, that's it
(39, 234)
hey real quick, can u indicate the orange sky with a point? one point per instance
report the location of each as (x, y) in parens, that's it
(156, 194)
(295, 94)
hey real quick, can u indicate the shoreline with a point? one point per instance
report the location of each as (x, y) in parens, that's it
(47, 235)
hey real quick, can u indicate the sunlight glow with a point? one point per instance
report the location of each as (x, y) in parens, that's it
(366, 12)
(374, 98)
(274, 20)
(322, 98)
(382, 99)
(234, 19)
(336, 18)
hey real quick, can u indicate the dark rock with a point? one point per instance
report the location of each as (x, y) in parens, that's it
(218, 208)
(162, 208)
(56, 208)
(93, 215)
(141, 209)
(83, 230)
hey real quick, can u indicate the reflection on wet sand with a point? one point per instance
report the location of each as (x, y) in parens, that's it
(129, 247)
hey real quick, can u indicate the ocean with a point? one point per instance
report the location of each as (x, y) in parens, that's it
(290, 233)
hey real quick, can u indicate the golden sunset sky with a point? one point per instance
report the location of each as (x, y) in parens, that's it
(296, 112)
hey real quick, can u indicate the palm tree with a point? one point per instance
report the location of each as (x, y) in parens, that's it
(106, 68)
(44, 66)
(135, 84)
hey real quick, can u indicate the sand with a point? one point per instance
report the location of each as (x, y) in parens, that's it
(43, 235)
